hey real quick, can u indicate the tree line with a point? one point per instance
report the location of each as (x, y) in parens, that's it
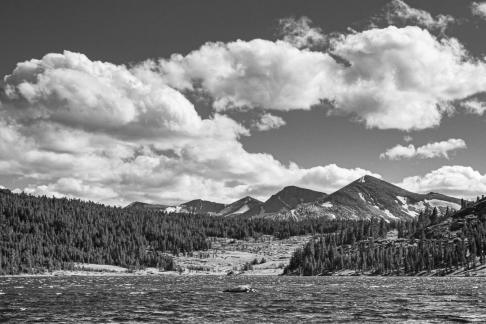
(41, 233)
(427, 243)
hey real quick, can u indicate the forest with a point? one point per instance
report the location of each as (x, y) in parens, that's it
(40, 234)
(446, 243)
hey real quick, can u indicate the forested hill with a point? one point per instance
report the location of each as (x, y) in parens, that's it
(431, 244)
(40, 233)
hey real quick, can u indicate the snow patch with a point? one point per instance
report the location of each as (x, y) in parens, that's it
(420, 205)
(242, 209)
(403, 200)
(362, 179)
(173, 209)
(331, 216)
(442, 203)
(412, 213)
(361, 196)
(327, 204)
(389, 214)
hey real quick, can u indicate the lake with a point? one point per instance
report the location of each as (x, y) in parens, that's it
(199, 299)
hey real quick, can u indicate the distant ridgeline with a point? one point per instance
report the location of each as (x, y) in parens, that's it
(40, 234)
(433, 243)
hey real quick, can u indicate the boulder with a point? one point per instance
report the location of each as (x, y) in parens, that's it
(240, 289)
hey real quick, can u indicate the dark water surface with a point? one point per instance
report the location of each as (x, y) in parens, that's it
(199, 299)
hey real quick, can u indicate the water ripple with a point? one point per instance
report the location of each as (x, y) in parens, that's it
(199, 299)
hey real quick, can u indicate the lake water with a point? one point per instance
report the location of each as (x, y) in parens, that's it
(199, 299)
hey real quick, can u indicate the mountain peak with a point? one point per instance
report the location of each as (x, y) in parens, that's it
(369, 197)
(368, 178)
(139, 205)
(285, 200)
(240, 206)
(200, 206)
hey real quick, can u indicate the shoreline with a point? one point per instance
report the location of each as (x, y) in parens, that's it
(150, 273)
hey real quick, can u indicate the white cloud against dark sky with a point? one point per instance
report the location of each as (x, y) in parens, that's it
(162, 128)
(428, 151)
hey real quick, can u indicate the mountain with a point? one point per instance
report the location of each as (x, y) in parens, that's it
(284, 201)
(197, 206)
(364, 198)
(240, 206)
(140, 205)
(370, 197)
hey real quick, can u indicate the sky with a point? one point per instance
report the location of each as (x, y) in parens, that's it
(167, 101)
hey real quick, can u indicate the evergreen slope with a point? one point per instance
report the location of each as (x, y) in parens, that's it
(40, 233)
(430, 243)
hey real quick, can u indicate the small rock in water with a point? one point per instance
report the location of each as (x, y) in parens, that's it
(241, 288)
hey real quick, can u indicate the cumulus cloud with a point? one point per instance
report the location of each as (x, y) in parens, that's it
(299, 32)
(112, 133)
(456, 180)
(397, 12)
(479, 9)
(428, 151)
(268, 121)
(474, 106)
(257, 73)
(70, 126)
(404, 78)
(401, 78)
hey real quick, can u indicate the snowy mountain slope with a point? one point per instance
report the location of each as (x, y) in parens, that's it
(370, 197)
(197, 206)
(138, 204)
(364, 198)
(240, 206)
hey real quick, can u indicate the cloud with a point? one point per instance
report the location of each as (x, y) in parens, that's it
(70, 126)
(428, 151)
(268, 122)
(299, 33)
(404, 78)
(474, 106)
(479, 9)
(70, 90)
(254, 74)
(456, 180)
(397, 12)
(399, 152)
(395, 78)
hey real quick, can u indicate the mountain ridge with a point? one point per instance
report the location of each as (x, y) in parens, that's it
(369, 197)
(365, 198)
(240, 206)
(284, 200)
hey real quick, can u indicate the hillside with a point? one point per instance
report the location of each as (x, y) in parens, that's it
(141, 205)
(431, 245)
(199, 206)
(370, 197)
(279, 204)
(240, 206)
(39, 234)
